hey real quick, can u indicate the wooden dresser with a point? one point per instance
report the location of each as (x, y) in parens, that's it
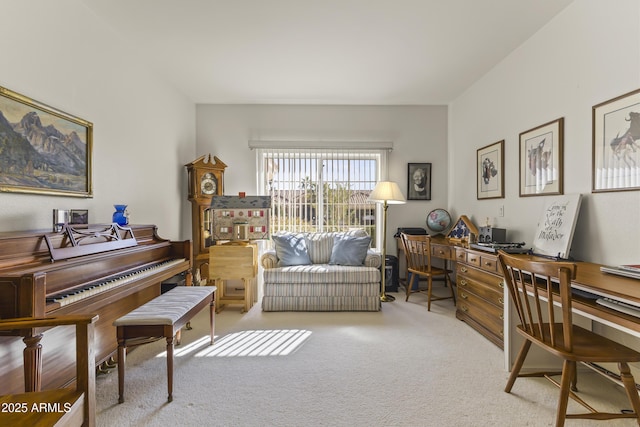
(480, 300)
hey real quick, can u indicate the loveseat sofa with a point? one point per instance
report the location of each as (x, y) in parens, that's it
(333, 271)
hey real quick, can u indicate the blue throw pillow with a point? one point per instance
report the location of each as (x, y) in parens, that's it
(291, 249)
(349, 250)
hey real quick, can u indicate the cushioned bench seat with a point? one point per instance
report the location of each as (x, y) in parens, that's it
(162, 317)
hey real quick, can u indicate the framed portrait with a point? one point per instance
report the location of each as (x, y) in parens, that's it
(44, 151)
(419, 181)
(616, 153)
(490, 173)
(541, 159)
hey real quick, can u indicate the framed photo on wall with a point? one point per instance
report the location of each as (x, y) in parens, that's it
(419, 181)
(616, 152)
(541, 159)
(45, 151)
(490, 173)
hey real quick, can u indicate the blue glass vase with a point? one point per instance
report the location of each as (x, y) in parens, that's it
(120, 215)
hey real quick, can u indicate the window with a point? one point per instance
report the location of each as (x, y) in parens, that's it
(320, 189)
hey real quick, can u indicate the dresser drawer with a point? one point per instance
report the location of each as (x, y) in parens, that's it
(488, 315)
(487, 292)
(461, 255)
(491, 280)
(484, 261)
(442, 251)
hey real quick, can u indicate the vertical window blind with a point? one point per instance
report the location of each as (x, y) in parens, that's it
(320, 189)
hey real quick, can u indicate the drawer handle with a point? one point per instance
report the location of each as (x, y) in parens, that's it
(488, 263)
(501, 284)
(441, 252)
(501, 316)
(501, 300)
(463, 282)
(461, 256)
(463, 269)
(463, 295)
(502, 334)
(464, 308)
(473, 259)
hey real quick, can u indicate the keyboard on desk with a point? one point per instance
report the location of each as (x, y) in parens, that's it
(620, 306)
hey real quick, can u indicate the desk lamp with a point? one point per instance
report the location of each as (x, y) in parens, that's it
(386, 192)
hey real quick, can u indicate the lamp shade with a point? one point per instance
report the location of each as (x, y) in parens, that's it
(387, 191)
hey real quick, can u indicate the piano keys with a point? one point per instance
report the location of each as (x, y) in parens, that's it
(98, 270)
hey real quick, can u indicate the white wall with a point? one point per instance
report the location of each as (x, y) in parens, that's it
(588, 54)
(419, 134)
(60, 54)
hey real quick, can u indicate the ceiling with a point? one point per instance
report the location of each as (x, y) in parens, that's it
(356, 52)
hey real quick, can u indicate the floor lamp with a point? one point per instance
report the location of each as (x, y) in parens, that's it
(386, 192)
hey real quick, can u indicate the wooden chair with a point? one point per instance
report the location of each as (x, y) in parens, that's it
(73, 406)
(560, 336)
(417, 249)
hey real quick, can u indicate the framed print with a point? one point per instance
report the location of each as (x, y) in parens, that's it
(541, 159)
(419, 181)
(43, 150)
(79, 216)
(490, 173)
(616, 153)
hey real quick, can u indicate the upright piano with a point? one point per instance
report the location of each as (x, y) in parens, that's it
(101, 269)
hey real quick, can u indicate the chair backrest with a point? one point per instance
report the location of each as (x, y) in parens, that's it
(540, 279)
(417, 249)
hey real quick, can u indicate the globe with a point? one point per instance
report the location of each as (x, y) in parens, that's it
(438, 220)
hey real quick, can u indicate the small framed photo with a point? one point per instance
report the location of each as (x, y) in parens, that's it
(541, 159)
(419, 181)
(616, 152)
(490, 174)
(79, 217)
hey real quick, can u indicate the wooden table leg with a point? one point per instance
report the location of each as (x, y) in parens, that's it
(212, 318)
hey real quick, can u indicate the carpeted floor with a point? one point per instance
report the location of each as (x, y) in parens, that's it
(402, 366)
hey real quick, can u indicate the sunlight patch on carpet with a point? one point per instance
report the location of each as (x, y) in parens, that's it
(277, 342)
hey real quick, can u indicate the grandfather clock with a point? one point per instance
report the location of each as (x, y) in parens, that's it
(205, 181)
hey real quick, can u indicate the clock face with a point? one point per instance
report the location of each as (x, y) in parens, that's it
(208, 184)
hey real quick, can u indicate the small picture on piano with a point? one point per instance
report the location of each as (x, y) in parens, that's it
(79, 217)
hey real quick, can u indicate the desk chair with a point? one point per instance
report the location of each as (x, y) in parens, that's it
(417, 249)
(559, 336)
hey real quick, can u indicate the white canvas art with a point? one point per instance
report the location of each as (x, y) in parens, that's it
(556, 226)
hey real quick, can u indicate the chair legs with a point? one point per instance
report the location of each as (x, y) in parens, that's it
(430, 288)
(517, 366)
(567, 386)
(630, 386)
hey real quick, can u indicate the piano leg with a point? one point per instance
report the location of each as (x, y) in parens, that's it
(32, 357)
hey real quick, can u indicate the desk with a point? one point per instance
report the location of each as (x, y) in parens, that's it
(481, 295)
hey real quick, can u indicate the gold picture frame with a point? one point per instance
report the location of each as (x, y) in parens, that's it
(43, 150)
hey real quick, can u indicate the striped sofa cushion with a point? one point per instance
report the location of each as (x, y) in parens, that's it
(322, 273)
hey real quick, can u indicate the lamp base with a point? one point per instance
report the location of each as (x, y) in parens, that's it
(387, 298)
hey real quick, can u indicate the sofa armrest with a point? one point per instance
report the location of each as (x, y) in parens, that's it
(373, 259)
(269, 259)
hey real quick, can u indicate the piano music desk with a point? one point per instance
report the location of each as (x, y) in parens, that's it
(162, 317)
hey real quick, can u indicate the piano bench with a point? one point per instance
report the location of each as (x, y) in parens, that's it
(162, 317)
